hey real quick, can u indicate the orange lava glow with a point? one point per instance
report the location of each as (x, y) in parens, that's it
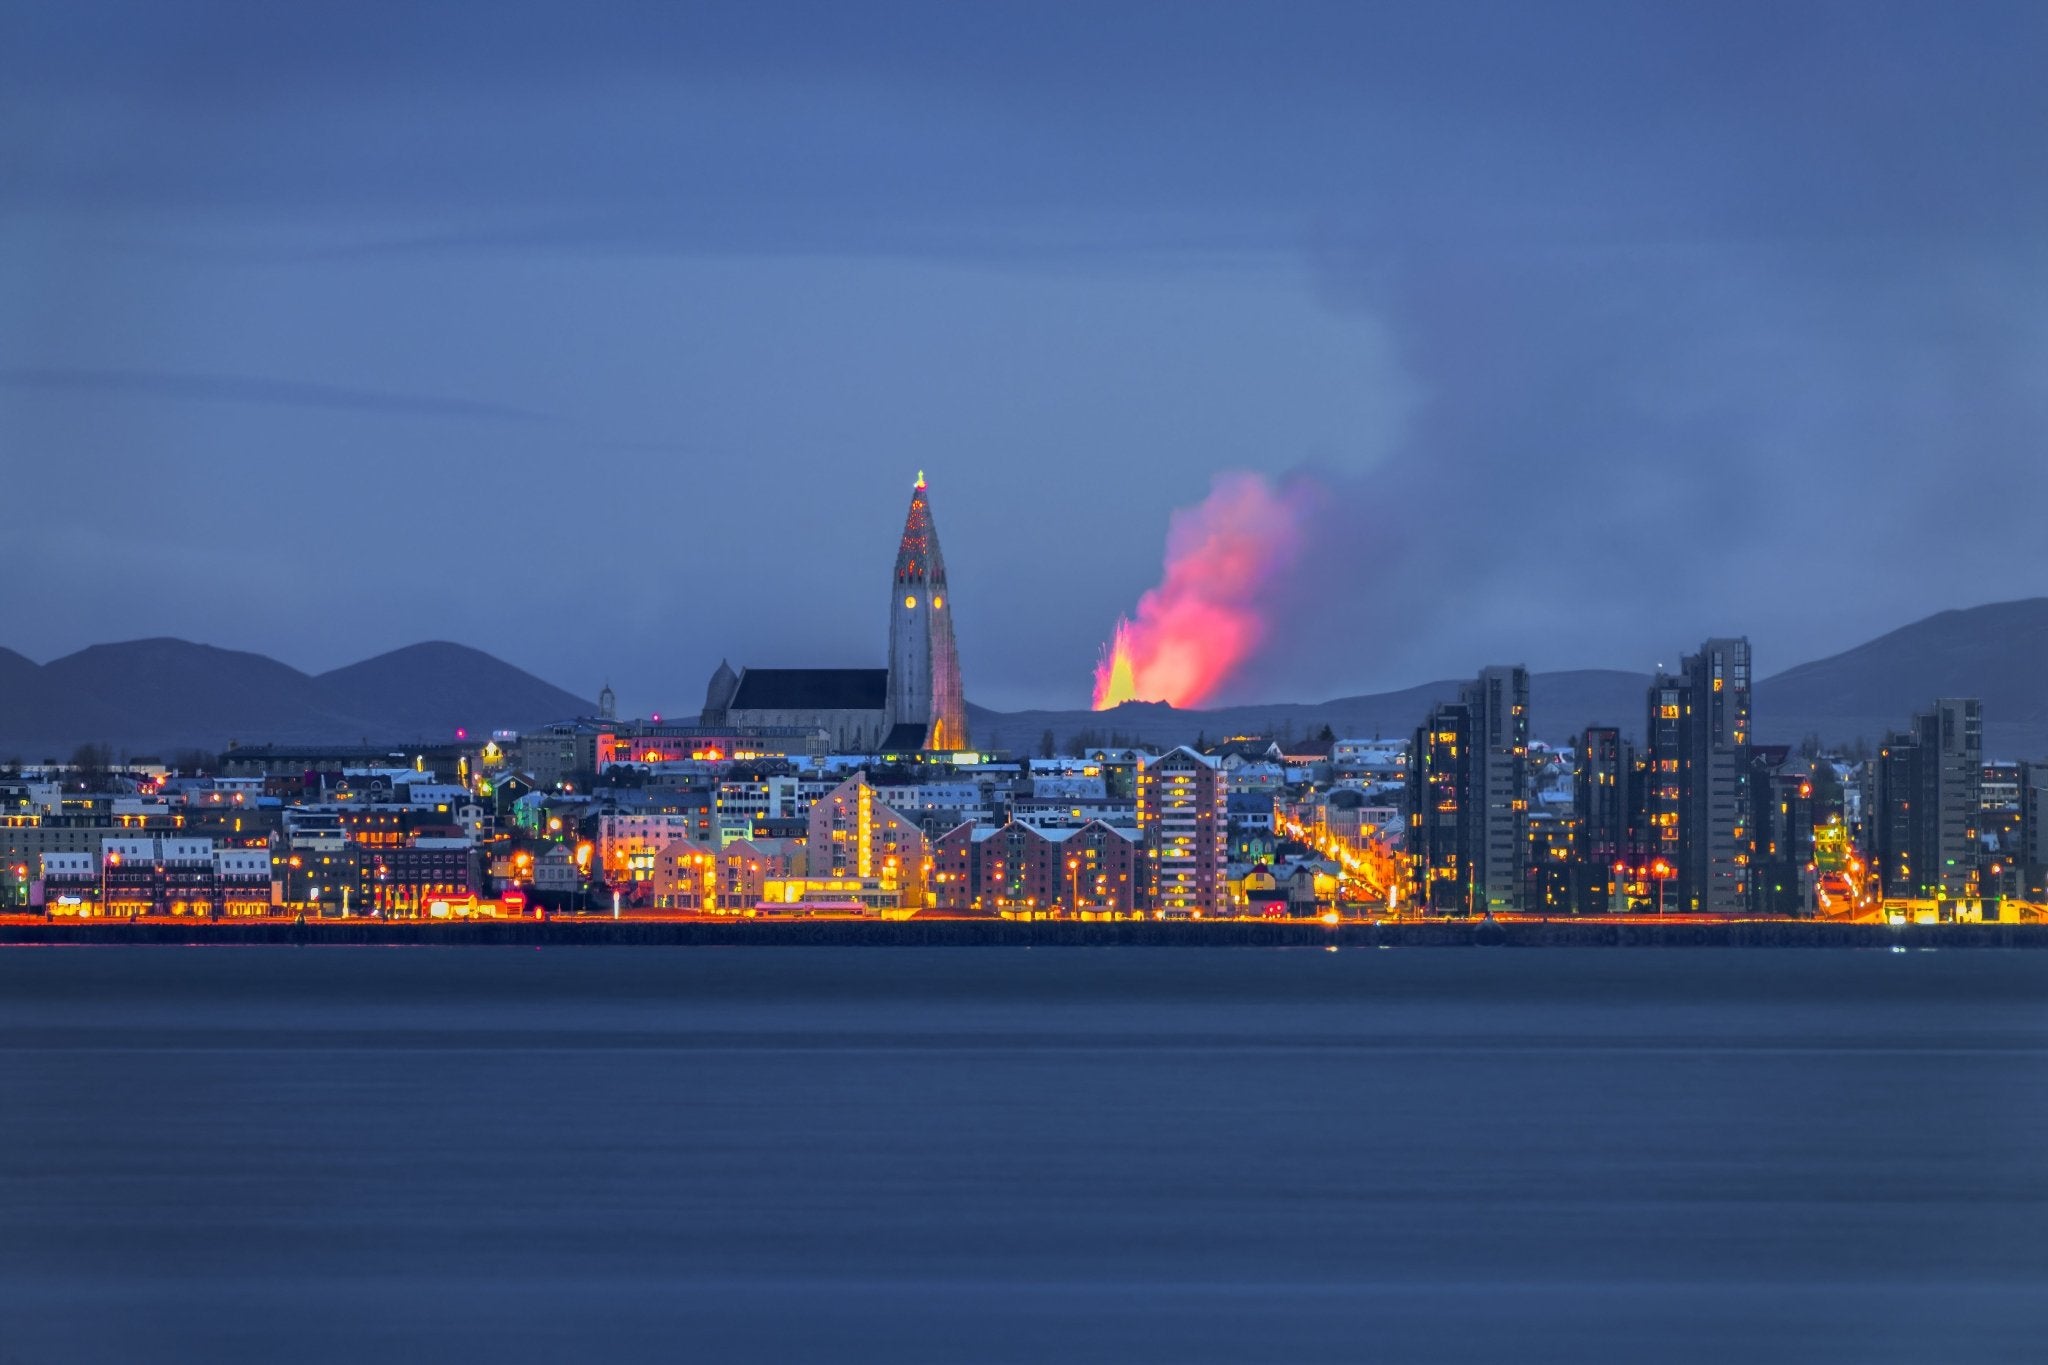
(1193, 632)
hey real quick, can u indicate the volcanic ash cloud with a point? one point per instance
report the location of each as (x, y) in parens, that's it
(1226, 558)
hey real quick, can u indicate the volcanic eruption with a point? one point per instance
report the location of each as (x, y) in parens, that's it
(1224, 557)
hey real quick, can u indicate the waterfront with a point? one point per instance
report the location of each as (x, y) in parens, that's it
(927, 931)
(1021, 1154)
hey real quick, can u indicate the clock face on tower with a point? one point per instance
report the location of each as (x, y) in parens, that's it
(925, 693)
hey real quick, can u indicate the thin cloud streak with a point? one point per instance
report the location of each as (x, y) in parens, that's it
(251, 390)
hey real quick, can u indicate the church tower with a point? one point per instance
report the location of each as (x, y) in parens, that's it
(927, 709)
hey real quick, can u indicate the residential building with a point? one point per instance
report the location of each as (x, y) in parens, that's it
(1927, 805)
(1018, 870)
(1698, 763)
(2031, 849)
(1183, 825)
(854, 833)
(1783, 873)
(727, 880)
(629, 841)
(1601, 774)
(1468, 799)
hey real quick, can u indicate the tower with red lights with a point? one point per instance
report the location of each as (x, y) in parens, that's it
(927, 707)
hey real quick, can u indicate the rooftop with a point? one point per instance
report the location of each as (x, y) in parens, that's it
(812, 689)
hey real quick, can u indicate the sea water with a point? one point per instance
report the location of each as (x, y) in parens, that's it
(955, 1155)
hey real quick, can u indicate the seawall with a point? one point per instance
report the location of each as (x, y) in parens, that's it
(599, 932)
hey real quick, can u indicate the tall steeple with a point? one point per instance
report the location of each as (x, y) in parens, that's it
(924, 666)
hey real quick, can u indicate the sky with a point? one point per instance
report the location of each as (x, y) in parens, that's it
(610, 339)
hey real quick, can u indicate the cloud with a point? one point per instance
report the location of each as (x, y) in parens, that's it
(1620, 453)
(245, 389)
(1629, 322)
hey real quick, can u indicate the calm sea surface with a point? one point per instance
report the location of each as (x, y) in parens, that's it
(965, 1155)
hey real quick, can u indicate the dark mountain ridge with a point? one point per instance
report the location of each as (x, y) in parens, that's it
(158, 695)
(154, 696)
(1997, 653)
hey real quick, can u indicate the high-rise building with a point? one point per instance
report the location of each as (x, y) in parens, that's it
(1498, 703)
(1927, 805)
(1439, 792)
(925, 700)
(1600, 807)
(1783, 865)
(1696, 811)
(1183, 825)
(1655, 803)
(1468, 798)
(1600, 794)
(1554, 883)
(2031, 851)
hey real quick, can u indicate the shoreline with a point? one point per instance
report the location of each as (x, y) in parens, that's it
(964, 933)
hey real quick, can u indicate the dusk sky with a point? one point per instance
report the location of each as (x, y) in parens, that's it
(611, 339)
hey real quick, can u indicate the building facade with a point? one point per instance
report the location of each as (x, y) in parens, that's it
(1439, 793)
(1019, 870)
(1183, 825)
(1468, 774)
(1601, 784)
(2031, 844)
(1784, 870)
(1927, 805)
(1697, 805)
(732, 879)
(854, 833)
(133, 877)
(927, 708)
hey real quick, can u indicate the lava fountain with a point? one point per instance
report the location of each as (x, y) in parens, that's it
(1193, 631)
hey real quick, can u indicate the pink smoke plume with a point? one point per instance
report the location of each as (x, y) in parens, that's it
(1224, 558)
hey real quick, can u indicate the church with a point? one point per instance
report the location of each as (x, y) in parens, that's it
(916, 703)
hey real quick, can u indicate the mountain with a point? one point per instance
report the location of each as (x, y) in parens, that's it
(172, 693)
(1996, 653)
(1572, 700)
(16, 671)
(437, 687)
(156, 696)
(41, 716)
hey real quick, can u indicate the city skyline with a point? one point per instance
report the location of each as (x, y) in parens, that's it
(482, 694)
(292, 285)
(834, 792)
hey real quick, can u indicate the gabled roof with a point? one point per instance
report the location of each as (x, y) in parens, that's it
(905, 738)
(812, 689)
